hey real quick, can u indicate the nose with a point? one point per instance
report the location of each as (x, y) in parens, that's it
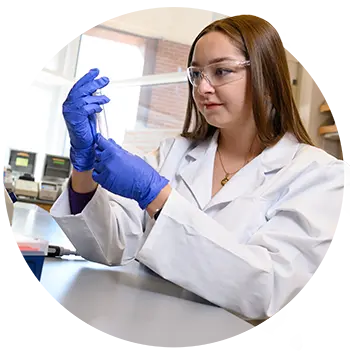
(204, 86)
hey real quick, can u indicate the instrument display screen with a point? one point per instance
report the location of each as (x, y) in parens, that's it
(22, 162)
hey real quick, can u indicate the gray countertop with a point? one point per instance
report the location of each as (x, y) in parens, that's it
(129, 302)
(34, 200)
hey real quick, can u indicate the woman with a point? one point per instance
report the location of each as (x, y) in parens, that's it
(240, 209)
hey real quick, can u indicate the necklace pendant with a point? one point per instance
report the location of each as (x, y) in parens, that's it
(224, 180)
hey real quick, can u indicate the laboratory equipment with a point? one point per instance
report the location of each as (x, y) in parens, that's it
(6, 203)
(56, 171)
(49, 190)
(101, 120)
(8, 179)
(22, 162)
(59, 251)
(56, 168)
(34, 251)
(22, 165)
(26, 188)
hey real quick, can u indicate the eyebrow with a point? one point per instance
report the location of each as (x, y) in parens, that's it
(213, 61)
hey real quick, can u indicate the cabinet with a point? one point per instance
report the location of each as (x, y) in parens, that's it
(340, 131)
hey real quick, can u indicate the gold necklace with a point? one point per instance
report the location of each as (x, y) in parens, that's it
(227, 174)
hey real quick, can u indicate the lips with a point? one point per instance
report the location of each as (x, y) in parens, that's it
(212, 105)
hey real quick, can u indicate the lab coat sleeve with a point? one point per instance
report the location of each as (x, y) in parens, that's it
(257, 278)
(110, 228)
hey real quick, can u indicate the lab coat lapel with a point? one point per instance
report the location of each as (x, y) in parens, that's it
(244, 181)
(281, 154)
(197, 174)
(250, 179)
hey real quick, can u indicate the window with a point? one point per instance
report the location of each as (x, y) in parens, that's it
(160, 117)
(148, 85)
(119, 57)
(145, 56)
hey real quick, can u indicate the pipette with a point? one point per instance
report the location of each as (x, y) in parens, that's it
(59, 251)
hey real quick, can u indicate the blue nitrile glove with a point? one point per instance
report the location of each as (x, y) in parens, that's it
(125, 174)
(79, 111)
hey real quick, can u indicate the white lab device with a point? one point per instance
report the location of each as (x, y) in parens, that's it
(49, 190)
(55, 174)
(8, 179)
(6, 204)
(26, 188)
(22, 164)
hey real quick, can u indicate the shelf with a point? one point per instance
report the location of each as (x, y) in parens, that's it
(335, 107)
(329, 132)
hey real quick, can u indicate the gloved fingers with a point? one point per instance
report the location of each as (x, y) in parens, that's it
(92, 108)
(93, 124)
(87, 89)
(95, 85)
(101, 142)
(98, 149)
(96, 176)
(102, 154)
(98, 155)
(114, 142)
(88, 77)
(98, 167)
(122, 149)
(73, 106)
(96, 99)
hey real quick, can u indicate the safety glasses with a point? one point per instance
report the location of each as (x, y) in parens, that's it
(217, 74)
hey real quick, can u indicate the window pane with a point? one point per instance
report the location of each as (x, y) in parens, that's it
(121, 111)
(116, 60)
(122, 56)
(161, 115)
(141, 112)
(167, 106)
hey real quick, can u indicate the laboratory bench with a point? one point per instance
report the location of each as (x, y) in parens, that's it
(44, 204)
(129, 302)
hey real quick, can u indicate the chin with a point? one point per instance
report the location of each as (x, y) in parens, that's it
(218, 121)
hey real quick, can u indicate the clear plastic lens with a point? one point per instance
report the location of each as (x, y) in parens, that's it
(217, 73)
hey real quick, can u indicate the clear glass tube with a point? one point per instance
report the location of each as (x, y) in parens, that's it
(101, 120)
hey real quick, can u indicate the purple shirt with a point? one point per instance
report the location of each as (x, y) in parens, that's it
(78, 201)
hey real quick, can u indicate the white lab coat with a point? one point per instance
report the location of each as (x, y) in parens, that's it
(250, 249)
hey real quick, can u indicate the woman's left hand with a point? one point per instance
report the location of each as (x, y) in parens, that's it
(125, 174)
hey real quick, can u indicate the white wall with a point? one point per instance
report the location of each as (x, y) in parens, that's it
(318, 28)
(180, 25)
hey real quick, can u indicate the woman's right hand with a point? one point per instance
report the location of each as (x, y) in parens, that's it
(79, 111)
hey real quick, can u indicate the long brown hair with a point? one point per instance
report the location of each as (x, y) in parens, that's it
(274, 108)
